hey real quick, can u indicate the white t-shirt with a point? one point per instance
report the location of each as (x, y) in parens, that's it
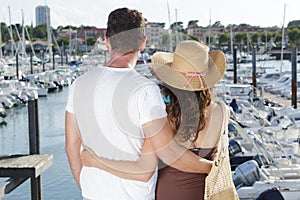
(110, 106)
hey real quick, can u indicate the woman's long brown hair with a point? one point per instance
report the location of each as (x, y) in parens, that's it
(187, 110)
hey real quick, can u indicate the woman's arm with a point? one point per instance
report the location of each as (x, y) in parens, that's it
(141, 170)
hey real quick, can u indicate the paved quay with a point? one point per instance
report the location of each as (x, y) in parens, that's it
(280, 100)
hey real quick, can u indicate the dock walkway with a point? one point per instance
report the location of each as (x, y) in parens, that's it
(279, 100)
(21, 167)
(18, 168)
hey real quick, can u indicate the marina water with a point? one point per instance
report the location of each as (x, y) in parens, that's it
(57, 181)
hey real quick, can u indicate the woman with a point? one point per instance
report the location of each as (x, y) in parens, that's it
(196, 119)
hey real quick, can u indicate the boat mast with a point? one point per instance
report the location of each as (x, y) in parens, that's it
(23, 50)
(231, 40)
(209, 28)
(282, 41)
(0, 41)
(176, 28)
(49, 33)
(28, 36)
(11, 35)
(170, 29)
(70, 41)
(85, 40)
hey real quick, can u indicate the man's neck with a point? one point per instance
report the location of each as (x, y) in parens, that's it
(123, 61)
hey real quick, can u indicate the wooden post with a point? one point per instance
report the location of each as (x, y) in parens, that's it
(254, 71)
(34, 145)
(234, 67)
(66, 54)
(31, 65)
(294, 77)
(33, 119)
(43, 60)
(62, 55)
(17, 65)
(53, 61)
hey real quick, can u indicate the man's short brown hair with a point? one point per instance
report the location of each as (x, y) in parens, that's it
(125, 28)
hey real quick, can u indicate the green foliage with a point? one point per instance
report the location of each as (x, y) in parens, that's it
(295, 23)
(294, 36)
(162, 25)
(62, 41)
(217, 24)
(256, 38)
(179, 26)
(90, 41)
(193, 23)
(191, 37)
(40, 31)
(224, 39)
(240, 38)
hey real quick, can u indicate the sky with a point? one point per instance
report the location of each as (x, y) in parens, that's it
(263, 13)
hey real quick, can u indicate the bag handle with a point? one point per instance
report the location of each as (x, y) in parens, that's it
(224, 130)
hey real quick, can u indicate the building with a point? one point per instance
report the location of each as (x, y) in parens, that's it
(154, 33)
(42, 15)
(92, 32)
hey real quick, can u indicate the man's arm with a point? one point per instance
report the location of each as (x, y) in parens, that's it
(73, 145)
(170, 152)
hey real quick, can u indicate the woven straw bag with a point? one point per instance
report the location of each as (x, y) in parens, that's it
(219, 183)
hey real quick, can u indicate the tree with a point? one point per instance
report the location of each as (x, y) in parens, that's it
(191, 37)
(5, 33)
(294, 36)
(217, 24)
(224, 39)
(40, 31)
(62, 41)
(178, 25)
(295, 23)
(239, 38)
(162, 25)
(256, 38)
(193, 23)
(90, 41)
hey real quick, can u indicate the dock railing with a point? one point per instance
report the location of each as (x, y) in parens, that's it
(19, 168)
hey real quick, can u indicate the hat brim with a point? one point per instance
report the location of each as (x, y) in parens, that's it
(161, 66)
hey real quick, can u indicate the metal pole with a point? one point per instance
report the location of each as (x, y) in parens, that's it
(62, 55)
(17, 66)
(66, 55)
(31, 65)
(294, 77)
(43, 57)
(234, 67)
(53, 61)
(254, 71)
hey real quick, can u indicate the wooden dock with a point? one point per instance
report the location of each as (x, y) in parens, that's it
(279, 100)
(19, 168)
(24, 165)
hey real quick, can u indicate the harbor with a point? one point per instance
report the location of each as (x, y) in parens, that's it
(58, 178)
(38, 64)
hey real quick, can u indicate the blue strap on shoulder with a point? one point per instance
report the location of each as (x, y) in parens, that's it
(167, 100)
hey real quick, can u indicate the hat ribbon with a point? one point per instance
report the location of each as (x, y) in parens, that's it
(192, 75)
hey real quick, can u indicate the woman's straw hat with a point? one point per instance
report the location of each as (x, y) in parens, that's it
(191, 67)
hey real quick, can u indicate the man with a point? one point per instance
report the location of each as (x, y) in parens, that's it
(112, 108)
(233, 104)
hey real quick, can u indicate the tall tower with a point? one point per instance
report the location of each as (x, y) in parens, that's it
(42, 15)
